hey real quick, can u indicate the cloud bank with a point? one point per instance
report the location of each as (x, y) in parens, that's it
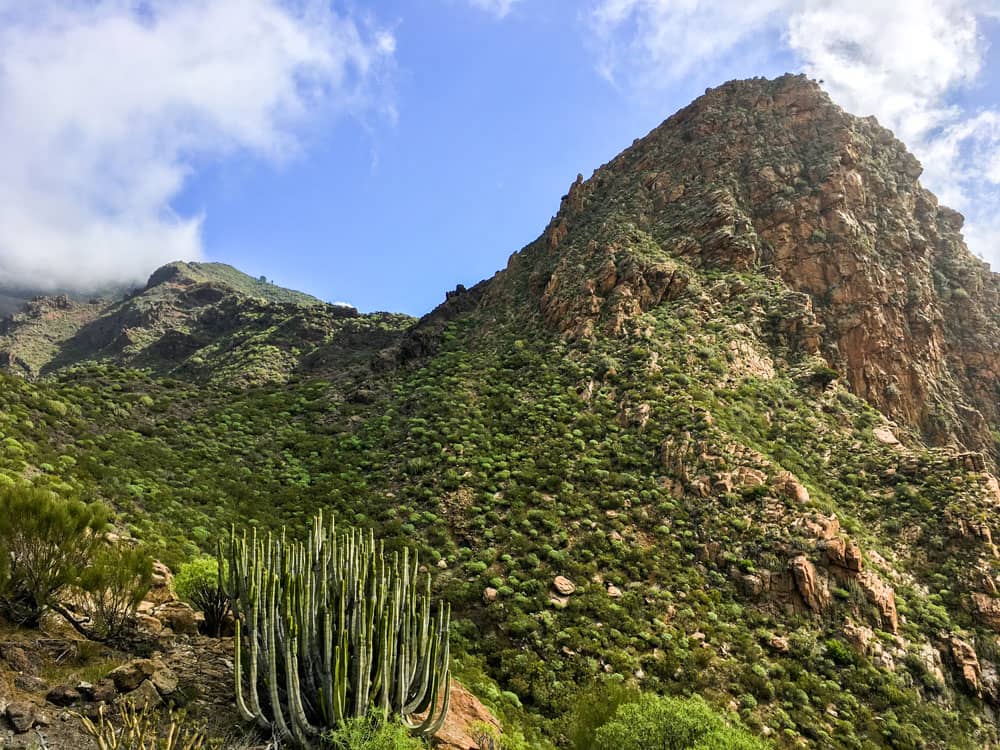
(108, 106)
(903, 61)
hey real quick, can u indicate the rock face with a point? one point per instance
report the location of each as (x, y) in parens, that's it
(811, 587)
(773, 173)
(465, 714)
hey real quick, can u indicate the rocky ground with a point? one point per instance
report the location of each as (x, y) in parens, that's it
(51, 677)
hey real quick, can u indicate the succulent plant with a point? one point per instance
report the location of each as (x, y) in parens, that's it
(329, 629)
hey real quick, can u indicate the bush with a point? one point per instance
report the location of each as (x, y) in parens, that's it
(672, 724)
(113, 585)
(198, 582)
(45, 543)
(593, 708)
(372, 734)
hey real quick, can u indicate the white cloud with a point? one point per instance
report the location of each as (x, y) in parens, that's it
(499, 8)
(108, 106)
(901, 60)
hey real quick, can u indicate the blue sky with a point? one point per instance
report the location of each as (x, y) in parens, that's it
(380, 153)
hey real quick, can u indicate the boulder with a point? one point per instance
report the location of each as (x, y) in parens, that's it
(778, 644)
(843, 554)
(178, 616)
(563, 586)
(148, 625)
(162, 588)
(145, 695)
(885, 436)
(21, 716)
(104, 692)
(63, 695)
(165, 681)
(131, 675)
(30, 684)
(787, 486)
(859, 636)
(614, 592)
(490, 595)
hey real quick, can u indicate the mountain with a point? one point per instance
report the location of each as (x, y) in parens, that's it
(202, 320)
(726, 427)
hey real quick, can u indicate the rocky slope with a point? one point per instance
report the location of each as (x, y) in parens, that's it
(724, 428)
(772, 176)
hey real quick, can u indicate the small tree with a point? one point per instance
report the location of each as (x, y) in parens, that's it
(113, 585)
(198, 582)
(45, 542)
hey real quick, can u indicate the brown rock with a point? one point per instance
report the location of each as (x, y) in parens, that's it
(465, 713)
(165, 681)
(843, 554)
(614, 592)
(162, 588)
(883, 597)
(145, 695)
(148, 625)
(986, 610)
(811, 587)
(852, 558)
(63, 695)
(823, 527)
(130, 675)
(885, 436)
(30, 684)
(859, 636)
(490, 595)
(104, 692)
(747, 477)
(563, 586)
(778, 644)
(178, 616)
(786, 485)
(967, 663)
(21, 716)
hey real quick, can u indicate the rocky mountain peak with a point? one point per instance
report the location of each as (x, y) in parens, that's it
(772, 177)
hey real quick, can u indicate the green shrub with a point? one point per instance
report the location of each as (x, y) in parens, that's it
(372, 734)
(671, 724)
(593, 708)
(198, 582)
(113, 584)
(45, 543)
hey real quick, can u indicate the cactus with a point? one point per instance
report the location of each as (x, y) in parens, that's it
(328, 629)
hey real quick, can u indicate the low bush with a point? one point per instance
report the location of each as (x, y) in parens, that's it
(372, 734)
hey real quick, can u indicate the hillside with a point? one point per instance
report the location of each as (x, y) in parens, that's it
(740, 392)
(201, 320)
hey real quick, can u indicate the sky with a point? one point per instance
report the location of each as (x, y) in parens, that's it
(379, 153)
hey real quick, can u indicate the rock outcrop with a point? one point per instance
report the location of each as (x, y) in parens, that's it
(772, 174)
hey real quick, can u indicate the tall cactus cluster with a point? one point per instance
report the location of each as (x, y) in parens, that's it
(329, 629)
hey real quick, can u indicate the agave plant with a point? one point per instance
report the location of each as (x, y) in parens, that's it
(329, 629)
